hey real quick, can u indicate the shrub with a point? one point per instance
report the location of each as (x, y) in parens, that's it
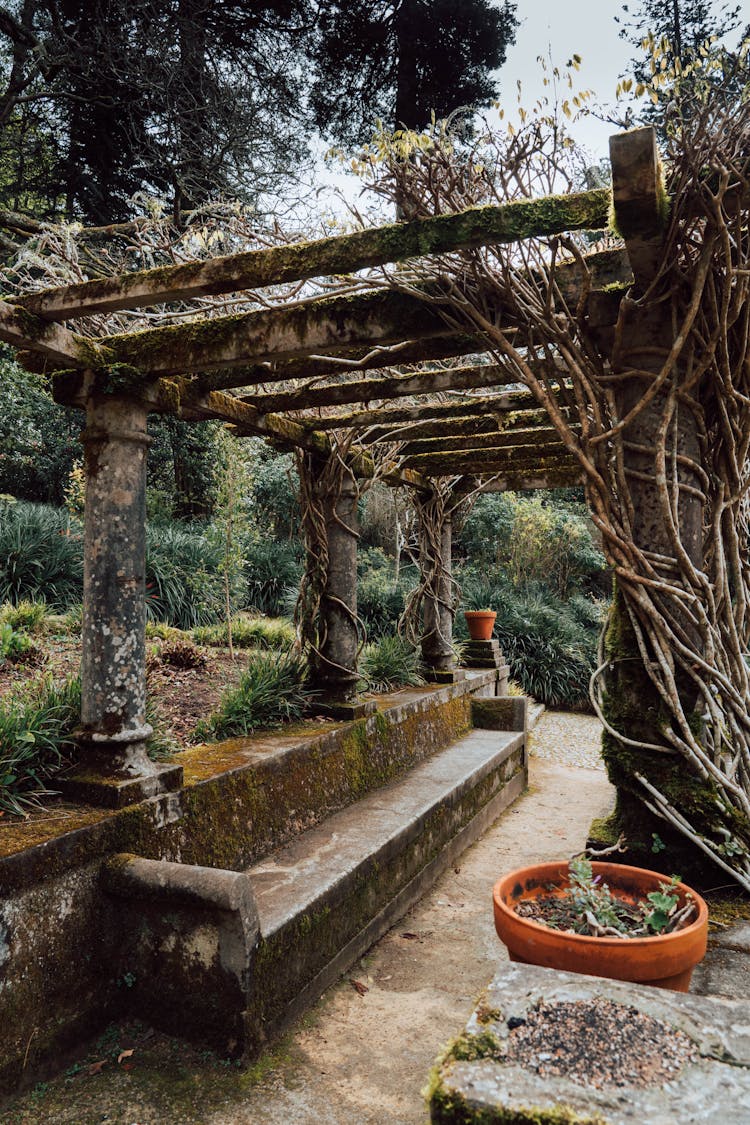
(183, 582)
(41, 555)
(249, 632)
(27, 615)
(380, 596)
(549, 653)
(270, 568)
(36, 741)
(390, 663)
(269, 692)
(14, 644)
(182, 654)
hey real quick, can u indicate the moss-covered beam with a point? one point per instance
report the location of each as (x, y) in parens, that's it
(522, 480)
(477, 406)
(364, 357)
(53, 343)
(449, 443)
(384, 387)
(343, 254)
(284, 432)
(472, 460)
(374, 317)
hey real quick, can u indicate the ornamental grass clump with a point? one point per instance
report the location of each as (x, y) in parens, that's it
(390, 663)
(588, 906)
(270, 691)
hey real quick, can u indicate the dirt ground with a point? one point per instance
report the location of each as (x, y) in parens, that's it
(363, 1053)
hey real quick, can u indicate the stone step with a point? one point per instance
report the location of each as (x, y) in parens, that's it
(324, 898)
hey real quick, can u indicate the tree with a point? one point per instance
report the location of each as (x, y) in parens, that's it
(184, 98)
(402, 60)
(669, 30)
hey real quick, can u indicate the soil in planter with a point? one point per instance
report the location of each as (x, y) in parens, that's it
(560, 912)
(598, 1043)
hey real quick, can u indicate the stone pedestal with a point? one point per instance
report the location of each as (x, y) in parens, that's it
(113, 768)
(486, 654)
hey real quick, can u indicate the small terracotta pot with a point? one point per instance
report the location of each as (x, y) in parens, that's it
(664, 960)
(480, 623)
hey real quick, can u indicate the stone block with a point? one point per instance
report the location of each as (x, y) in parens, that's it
(667, 1057)
(508, 712)
(189, 939)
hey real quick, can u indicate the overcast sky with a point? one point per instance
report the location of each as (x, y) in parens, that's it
(565, 28)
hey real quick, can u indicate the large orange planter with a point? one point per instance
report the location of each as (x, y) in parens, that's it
(480, 623)
(664, 960)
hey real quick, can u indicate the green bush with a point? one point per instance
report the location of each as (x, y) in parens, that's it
(14, 643)
(390, 663)
(550, 654)
(41, 555)
(184, 586)
(248, 632)
(35, 741)
(27, 615)
(271, 568)
(537, 542)
(269, 692)
(380, 596)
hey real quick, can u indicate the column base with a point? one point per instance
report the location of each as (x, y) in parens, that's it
(482, 654)
(347, 710)
(120, 777)
(443, 675)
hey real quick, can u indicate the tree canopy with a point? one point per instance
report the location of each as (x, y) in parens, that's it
(402, 61)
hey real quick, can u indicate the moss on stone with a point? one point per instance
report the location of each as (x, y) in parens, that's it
(632, 705)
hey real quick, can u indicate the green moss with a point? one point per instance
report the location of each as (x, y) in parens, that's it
(447, 1107)
(632, 705)
(468, 1048)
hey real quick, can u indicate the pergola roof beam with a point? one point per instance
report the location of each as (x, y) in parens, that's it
(343, 254)
(385, 387)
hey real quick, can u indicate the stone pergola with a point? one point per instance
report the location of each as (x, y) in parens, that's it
(488, 434)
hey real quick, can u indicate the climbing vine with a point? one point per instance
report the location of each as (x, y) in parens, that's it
(656, 414)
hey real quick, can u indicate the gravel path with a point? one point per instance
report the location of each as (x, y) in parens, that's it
(362, 1055)
(569, 740)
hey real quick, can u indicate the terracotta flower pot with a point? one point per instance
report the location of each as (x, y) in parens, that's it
(480, 623)
(664, 960)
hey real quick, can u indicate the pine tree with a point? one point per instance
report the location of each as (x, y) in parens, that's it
(400, 62)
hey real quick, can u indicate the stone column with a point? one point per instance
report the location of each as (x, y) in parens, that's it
(114, 731)
(335, 663)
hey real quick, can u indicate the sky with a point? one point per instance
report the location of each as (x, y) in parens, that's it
(564, 28)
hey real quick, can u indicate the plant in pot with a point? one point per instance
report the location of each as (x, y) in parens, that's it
(480, 623)
(603, 919)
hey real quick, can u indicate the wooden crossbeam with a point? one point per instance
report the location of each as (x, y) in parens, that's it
(384, 387)
(473, 461)
(448, 444)
(480, 405)
(380, 316)
(284, 432)
(329, 325)
(53, 342)
(563, 476)
(362, 358)
(343, 254)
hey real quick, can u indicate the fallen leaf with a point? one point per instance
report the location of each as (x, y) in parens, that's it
(358, 986)
(95, 1067)
(124, 1055)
